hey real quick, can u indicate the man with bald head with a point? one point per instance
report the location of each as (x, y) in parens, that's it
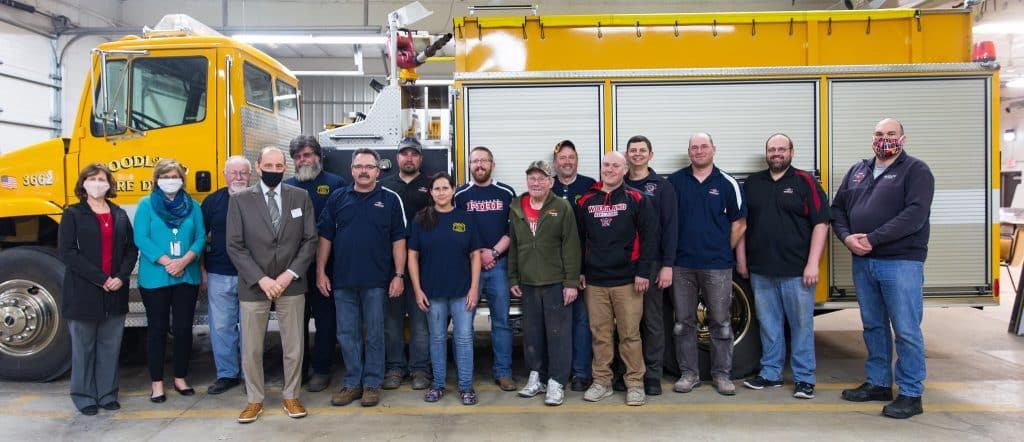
(712, 219)
(787, 224)
(881, 214)
(619, 230)
(271, 246)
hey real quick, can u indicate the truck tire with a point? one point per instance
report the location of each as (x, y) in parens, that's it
(746, 354)
(34, 340)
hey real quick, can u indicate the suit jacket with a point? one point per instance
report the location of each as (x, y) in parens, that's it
(257, 249)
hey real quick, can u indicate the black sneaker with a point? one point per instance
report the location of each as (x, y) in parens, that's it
(652, 387)
(903, 407)
(580, 383)
(868, 392)
(758, 383)
(803, 390)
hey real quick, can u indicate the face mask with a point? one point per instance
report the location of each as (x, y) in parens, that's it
(96, 189)
(271, 179)
(169, 185)
(886, 148)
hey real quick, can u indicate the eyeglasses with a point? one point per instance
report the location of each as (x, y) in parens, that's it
(538, 179)
(364, 166)
(238, 173)
(480, 161)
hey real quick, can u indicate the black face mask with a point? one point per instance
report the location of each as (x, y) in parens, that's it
(271, 179)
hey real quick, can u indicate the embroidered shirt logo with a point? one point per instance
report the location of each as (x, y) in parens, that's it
(605, 222)
(422, 190)
(459, 227)
(485, 206)
(713, 191)
(788, 190)
(858, 177)
(323, 189)
(649, 188)
(606, 211)
(890, 176)
(378, 204)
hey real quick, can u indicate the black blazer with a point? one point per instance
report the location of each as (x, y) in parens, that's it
(79, 244)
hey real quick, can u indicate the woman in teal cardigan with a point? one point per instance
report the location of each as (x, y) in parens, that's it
(170, 235)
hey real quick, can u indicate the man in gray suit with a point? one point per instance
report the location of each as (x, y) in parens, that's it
(271, 240)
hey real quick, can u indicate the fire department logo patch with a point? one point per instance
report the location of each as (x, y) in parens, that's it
(858, 177)
(459, 227)
(323, 189)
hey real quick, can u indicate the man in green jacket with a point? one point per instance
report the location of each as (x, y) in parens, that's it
(544, 269)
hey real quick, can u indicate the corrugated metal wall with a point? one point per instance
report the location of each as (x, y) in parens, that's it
(327, 100)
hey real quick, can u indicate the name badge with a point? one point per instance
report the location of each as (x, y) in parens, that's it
(296, 213)
(176, 248)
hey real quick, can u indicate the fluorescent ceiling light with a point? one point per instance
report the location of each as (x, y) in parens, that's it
(311, 39)
(328, 73)
(1004, 27)
(1017, 83)
(431, 82)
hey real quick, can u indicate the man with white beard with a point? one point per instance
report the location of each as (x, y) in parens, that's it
(311, 177)
(221, 279)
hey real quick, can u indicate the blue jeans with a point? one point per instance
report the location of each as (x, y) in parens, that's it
(781, 300)
(890, 294)
(582, 341)
(360, 308)
(394, 334)
(222, 294)
(462, 337)
(494, 287)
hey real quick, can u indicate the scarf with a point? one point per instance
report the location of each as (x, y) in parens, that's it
(172, 212)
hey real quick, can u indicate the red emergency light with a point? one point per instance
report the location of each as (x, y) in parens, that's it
(984, 52)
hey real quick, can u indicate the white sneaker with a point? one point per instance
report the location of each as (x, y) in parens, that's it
(556, 393)
(597, 392)
(533, 386)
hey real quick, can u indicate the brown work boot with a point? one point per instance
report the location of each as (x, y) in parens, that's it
(294, 408)
(251, 412)
(346, 396)
(371, 397)
(506, 384)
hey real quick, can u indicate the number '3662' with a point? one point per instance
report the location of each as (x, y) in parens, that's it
(38, 179)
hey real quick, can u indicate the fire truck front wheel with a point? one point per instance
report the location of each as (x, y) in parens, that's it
(34, 340)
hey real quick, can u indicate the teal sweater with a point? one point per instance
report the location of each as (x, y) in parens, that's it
(153, 238)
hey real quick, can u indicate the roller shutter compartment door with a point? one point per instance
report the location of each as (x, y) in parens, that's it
(739, 116)
(27, 97)
(946, 122)
(522, 124)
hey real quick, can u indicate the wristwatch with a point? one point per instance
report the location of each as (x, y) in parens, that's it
(495, 253)
(400, 275)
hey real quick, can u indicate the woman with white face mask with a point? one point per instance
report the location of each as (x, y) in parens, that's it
(95, 243)
(170, 235)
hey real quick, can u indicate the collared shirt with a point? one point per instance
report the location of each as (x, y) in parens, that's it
(277, 195)
(489, 204)
(415, 194)
(362, 227)
(706, 213)
(781, 216)
(444, 262)
(215, 214)
(573, 191)
(319, 188)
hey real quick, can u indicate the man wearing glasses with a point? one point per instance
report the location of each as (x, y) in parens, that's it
(367, 221)
(488, 200)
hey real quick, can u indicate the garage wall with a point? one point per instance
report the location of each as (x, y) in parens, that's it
(327, 100)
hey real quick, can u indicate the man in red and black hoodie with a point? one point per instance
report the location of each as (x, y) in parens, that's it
(619, 230)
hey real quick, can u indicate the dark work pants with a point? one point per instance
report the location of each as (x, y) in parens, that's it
(169, 308)
(320, 308)
(547, 329)
(95, 347)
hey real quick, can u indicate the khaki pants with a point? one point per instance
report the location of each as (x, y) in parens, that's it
(616, 309)
(255, 315)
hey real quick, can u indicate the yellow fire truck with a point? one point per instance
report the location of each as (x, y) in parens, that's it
(522, 83)
(181, 91)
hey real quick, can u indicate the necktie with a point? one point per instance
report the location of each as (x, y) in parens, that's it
(275, 212)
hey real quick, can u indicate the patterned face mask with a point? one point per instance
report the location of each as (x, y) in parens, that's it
(886, 148)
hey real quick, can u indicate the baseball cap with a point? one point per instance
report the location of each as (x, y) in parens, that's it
(541, 166)
(410, 143)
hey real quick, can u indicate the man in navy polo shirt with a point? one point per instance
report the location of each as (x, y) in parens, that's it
(221, 278)
(787, 226)
(571, 186)
(488, 200)
(642, 177)
(318, 183)
(881, 214)
(712, 219)
(414, 189)
(367, 221)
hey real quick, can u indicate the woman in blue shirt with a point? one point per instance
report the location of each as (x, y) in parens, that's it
(170, 235)
(444, 266)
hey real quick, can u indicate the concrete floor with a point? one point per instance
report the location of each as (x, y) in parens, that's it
(975, 391)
